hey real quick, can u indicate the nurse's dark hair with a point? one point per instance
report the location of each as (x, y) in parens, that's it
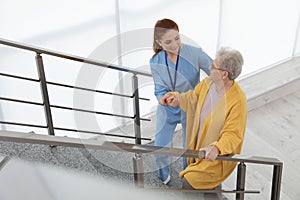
(160, 28)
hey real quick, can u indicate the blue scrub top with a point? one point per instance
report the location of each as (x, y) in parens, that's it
(191, 60)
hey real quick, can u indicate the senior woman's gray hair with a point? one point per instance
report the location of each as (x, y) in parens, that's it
(230, 60)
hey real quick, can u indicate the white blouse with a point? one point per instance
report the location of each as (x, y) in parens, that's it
(211, 100)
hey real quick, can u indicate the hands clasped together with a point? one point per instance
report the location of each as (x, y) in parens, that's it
(170, 99)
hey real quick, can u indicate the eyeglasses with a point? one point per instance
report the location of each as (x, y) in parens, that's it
(214, 67)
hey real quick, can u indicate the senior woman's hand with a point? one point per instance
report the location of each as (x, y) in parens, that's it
(173, 99)
(211, 152)
(163, 100)
(170, 99)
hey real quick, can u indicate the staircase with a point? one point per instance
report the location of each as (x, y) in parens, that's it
(272, 127)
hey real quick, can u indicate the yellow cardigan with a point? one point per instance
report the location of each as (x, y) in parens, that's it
(224, 127)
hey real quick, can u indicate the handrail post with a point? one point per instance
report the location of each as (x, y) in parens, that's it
(137, 159)
(3, 161)
(136, 110)
(240, 182)
(43, 84)
(276, 182)
(138, 170)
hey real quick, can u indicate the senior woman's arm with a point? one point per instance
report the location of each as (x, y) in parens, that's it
(183, 100)
(232, 134)
(190, 98)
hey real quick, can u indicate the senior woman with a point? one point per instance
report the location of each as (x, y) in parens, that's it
(216, 121)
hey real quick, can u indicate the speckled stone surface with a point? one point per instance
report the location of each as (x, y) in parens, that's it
(106, 165)
(112, 165)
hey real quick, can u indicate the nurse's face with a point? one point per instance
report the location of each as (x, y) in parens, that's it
(170, 41)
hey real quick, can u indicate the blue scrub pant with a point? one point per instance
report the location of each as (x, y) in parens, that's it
(166, 120)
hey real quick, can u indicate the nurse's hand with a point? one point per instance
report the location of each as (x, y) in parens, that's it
(169, 99)
(163, 100)
(173, 100)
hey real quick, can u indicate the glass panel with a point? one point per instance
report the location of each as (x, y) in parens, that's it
(77, 28)
(137, 23)
(67, 26)
(264, 31)
(17, 62)
(23, 113)
(20, 89)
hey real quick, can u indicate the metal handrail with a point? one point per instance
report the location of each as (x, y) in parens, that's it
(97, 91)
(3, 161)
(68, 129)
(148, 149)
(23, 124)
(69, 108)
(70, 86)
(39, 50)
(96, 112)
(127, 147)
(44, 90)
(19, 77)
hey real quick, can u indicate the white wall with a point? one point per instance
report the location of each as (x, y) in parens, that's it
(264, 31)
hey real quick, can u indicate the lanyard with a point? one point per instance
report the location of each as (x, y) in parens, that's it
(175, 73)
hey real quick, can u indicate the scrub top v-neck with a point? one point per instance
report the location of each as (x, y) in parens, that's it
(173, 84)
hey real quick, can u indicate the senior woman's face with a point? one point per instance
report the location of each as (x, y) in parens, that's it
(216, 74)
(170, 41)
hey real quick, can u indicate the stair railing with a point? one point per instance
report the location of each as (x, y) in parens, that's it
(139, 149)
(136, 148)
(47, 104)
(137, 159)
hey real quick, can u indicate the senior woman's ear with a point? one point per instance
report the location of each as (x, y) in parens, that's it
(225, 74)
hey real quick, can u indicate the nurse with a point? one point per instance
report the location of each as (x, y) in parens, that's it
(175, 67)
